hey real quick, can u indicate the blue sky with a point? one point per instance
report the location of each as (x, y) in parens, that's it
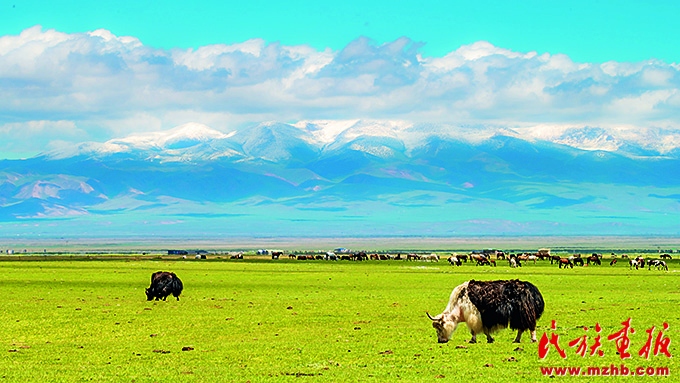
(94, 71)
(587, 31)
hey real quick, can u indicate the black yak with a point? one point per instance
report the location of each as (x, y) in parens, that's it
(488, 306)
(162, 285)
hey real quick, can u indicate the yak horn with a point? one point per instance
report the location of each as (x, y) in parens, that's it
(429, 316)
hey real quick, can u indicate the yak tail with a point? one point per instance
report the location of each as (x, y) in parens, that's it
(531, 306)
(537, 299)
(177, 285)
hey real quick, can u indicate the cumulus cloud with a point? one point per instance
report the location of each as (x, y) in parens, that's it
(29, 137)
(98, 84)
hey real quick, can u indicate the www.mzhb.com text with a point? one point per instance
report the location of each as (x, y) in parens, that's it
(606, 371)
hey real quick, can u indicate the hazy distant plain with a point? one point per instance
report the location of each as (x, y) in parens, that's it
(415, 243)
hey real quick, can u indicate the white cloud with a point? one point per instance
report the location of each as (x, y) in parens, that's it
(109, 37)
(657, 77)
(104, 86)
(34, 136)
(481, 49)
(643, 106)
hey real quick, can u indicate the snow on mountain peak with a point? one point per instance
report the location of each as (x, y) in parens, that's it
(589, 139)
(329, 132)
(273, 140)
(325, 132)
(194, 131)
(188, 133)
(180, 137)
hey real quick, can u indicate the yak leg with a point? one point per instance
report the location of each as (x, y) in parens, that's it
(533, 336)
(474, 338)
(519, 337)
(489, 338)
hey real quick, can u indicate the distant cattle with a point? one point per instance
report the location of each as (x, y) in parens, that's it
(659, 265)
(564, 262)
(543, 254)
(636, 262)
(665, 256)
(479, 258)
(488, 306)
(594, 259)
(430, 257)
(163, 284)
(527, 257)
(454, 261)
(485, 262)
(482, 260)
(633, 263)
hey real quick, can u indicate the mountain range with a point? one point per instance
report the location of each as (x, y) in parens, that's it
(350, 178)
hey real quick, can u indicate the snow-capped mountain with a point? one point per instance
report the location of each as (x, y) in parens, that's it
(182, 137)
(589, 139)
(309, 139)
(391, 174)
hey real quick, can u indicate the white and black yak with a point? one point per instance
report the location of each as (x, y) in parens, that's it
(163, 284)
(488, 306)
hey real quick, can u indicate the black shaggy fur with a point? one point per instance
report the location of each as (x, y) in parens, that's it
(512, 302)
(163, 284)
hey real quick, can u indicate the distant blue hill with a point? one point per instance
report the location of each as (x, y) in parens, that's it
(285, 179)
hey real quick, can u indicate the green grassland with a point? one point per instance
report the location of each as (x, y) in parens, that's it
(258, 320)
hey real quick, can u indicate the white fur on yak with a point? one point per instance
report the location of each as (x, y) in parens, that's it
(488, 306)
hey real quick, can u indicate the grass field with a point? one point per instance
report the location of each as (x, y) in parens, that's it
(263, 320)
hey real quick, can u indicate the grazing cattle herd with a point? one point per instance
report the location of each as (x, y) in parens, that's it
(484, 306)
(486, 258)
(478, 258)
